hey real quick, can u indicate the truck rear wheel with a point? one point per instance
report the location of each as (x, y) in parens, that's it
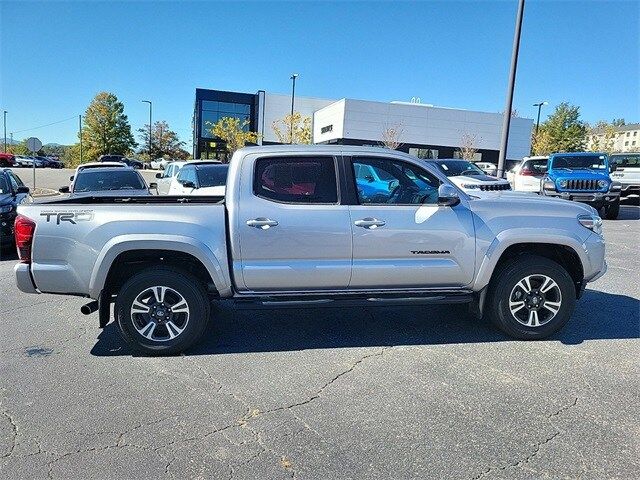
(162, 310)
(531, 297)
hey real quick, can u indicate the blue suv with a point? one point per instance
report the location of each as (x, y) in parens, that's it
(583, 177)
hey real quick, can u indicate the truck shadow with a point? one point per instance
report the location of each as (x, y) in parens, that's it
(598, 316)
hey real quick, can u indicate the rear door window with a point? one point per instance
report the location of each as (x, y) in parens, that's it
(296, 179)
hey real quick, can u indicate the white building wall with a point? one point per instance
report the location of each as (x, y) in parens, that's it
(421, 124)
(277, 106)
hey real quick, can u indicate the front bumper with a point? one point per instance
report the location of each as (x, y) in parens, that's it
(596, 265)
(23, 278)
(630, 191)
(595, 199)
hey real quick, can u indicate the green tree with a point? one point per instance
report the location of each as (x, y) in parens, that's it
(618, 122)
(604, 137)
(106, 128)
(563, 131)
(164, 141)
(233, 132)
(301, 129)
(19, 148)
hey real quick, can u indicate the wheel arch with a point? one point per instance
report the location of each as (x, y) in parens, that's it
(122, 257)
(567, 251)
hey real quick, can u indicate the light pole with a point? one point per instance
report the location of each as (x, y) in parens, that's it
(5, 131)
(293, 99)
(539, 105)
(506, 121)
(80, 134)
(150, 107)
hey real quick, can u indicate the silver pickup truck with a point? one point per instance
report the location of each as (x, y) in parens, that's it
(299, 226)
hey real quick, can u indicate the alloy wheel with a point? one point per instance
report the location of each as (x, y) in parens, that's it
(535, 300)
(159, 313)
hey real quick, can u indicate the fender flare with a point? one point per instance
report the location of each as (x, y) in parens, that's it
(508, 238)
(177, 243)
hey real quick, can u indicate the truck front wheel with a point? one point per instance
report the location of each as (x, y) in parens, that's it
(162, 310)
(531, 297)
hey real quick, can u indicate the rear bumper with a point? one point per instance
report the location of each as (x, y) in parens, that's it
(23, 278)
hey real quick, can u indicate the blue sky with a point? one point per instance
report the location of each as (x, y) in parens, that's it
(54, 57)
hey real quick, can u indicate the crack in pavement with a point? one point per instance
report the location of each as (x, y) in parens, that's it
(14, 433)
(537, 446)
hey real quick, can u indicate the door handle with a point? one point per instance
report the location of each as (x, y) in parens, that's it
(262, 223)
(369, 223)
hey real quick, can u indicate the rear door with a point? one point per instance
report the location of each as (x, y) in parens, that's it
(165, 181)
(402, 238)
(292, 231)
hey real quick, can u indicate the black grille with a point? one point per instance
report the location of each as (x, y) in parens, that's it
(582, 184)
(495, 186)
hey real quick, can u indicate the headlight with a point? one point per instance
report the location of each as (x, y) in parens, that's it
(615, 186)
(592, 222)
(6, 208)
(470, 186)
(549, 185)
(602, 183)
(563, 184)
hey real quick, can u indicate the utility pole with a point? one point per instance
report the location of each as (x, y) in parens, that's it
(80, 134)
(539, 105)
(5, 131)
(506, 121)
(293, 99)
(150, 107)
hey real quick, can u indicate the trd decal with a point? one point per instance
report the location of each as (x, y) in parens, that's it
(430, 252)
(71, 217)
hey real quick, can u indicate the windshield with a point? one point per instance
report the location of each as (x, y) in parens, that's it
(626, 160)
(100, 180)
(537, 166)
(212, 175)
(4, 186)
(453, 168)
(571, 162)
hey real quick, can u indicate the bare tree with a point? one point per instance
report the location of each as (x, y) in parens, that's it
(468, 146)
(391, 136)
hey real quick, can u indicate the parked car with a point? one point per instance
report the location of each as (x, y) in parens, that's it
(294, 230)
(526, 176)
(7, 160)
(166, 177)
(110, 181)
(28, 161)
(200, 178)
(50, 162)
(159, 163)
(583, 177)
(131, 162)
(626, 171)
(469, 177)
(12, 193)
(92, 165)
(488, 168)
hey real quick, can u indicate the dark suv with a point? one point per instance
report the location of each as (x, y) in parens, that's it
(122, 159)
(12, 193)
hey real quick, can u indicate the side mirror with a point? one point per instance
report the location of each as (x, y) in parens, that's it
(158, 175)
(64, 189)
(613, 167)
(188, 184)
(22, 189)
(153, 185)
(447, 196)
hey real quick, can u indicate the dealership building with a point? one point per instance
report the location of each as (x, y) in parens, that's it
(423, 130)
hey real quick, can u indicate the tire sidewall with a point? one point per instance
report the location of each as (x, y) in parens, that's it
(183, 283)
(510, 276)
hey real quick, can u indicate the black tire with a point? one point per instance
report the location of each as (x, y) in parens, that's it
(503, 287)
(612, 210)
(177, 282)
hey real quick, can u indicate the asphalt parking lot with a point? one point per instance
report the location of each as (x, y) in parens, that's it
(402, 392)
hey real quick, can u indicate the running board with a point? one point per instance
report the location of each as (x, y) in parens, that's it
(347, 301)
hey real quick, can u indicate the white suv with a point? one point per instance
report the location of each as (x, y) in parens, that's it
(526, 176)
(469, 177)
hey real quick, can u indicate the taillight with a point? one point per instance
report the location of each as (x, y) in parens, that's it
(24, 229)
(526, 172)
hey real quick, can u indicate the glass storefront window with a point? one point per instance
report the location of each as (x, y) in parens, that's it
(213, 111)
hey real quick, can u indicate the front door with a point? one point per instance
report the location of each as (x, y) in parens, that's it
(401, 237)
(165, 181)
(293, 233)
